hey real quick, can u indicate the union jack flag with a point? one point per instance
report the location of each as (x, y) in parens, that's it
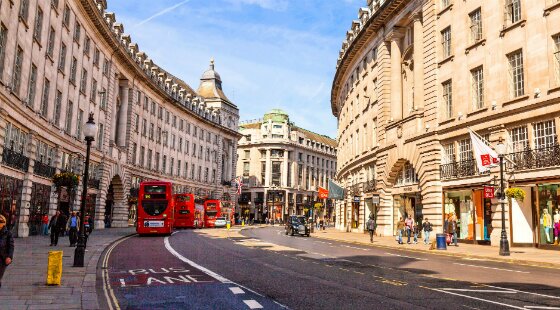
(239, 181)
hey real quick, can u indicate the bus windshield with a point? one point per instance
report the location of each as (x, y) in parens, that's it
(154, 207)
(181, 198)
(211, 212)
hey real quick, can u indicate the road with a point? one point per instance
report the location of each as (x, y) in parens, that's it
(263, 268)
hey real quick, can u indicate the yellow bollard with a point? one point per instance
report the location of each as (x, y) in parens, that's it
(228, 225)
(54, 268)
(243, 223)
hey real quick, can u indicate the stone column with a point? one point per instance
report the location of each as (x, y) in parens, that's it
(26, 192)
(418, 62)
(113, 105)
(53, 205)
(268, 166)
(285, 168)
(396, 79)
(123, 113)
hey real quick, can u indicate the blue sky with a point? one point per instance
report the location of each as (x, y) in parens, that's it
(270, 53)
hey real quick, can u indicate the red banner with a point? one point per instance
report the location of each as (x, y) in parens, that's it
(323, 193)
(488, 192)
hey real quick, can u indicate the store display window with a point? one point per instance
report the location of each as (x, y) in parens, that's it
(549, 218)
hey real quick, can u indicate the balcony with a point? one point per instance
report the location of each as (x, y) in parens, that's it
(43, 170)
(461, 169)
(369, 186)
(534, 158)
(15, 160)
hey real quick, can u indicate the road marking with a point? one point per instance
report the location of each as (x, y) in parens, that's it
(478, 291)
(541, 307)
(236, 290)
(358, 272)
(471, 297)
(107, 289)
(392, 282)
(518, 291)
(253, 304)
(418, 258)
(493, 268)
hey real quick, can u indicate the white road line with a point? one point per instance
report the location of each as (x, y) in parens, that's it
(236, 290)
(107, 289)
(541, 307)
(478, 291)
(514, 290)
(475, 298)
(418, 258)
(493, 268)
(253, 304)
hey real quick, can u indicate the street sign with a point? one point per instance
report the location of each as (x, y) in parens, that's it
(375, 199)
(489, 192)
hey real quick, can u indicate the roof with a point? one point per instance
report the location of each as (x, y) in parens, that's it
(251, 126)
(316, 137)
(277, 116)
(211, 84)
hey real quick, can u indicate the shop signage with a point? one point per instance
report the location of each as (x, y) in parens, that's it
(356, 199)
(375, 199)
(488, 191)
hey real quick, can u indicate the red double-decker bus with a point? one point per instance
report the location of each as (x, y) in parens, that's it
(156, 208)
(184, 210)
(212, 210)
(199, 216)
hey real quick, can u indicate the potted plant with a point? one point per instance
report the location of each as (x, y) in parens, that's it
(67, 179)
(515, 193)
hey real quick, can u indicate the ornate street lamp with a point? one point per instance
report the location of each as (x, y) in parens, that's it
(90, 130)
(504, 244)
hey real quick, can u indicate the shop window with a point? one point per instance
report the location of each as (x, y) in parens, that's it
(549, 214)
(407, 175)
(545, 134)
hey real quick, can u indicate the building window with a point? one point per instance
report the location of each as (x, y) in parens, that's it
(24, 10)
(79, 124)
(142, 150)
(106, 67)
(50, 43)
(45, 100)
(519, 138)
(77, 32)
(144, 127)
(449, 153)
(149, 159)
(57, 108)
(276, 173)
(206, 175)
(178, 167)
(73, 70)
(186, 170)
(445, 3)
(447, 99)
(96, 57)
(3, 37)
(192, 171)
(62, 58)
(32, 87)
(157, 161)
(93, 91)
(136, 123)
(545, 134)
(513, 11)
(446, 42)
(83, 82)
(38, 25)
(16, 78)
(69, 112)
(465, 150)
(171, 164)
(476, 26)
(477, 80)
(516, 74)
(66, 16)
(263, 172)
(87, 45)
(556, 39)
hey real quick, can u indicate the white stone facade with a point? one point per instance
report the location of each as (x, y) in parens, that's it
(412, 77)
(61, 61)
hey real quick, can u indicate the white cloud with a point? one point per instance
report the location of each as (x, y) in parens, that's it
(162, 12)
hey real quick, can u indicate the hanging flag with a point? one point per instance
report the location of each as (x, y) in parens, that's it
(323, 193)
(239, 181)
(485, 156)
(335, 191)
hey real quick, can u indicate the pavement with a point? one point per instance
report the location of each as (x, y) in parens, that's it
(518, 255)
(24, 283)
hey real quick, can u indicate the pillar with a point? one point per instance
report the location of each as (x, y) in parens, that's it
(396, 79)
(26, 192)
(268, 166)
(123, 114)
(418, 62)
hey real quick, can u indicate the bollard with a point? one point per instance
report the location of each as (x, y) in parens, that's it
(228, 225)
(242, 223)
(54, 268)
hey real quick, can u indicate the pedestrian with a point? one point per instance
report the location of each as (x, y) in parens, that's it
(416, 231)
(266, 220)
(6, 247)
(90, 224)
(427, 227)
(371, 227)
(45, 222)
(86, 225)
(453, 228)
(400, 228)
(409, 223)
(54, 227)
(72, 227)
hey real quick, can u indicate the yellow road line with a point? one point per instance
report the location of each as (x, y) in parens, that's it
(107, 289)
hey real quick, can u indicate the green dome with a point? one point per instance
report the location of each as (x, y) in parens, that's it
(276, 116)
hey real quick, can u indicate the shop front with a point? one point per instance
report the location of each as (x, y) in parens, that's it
(547, 202)
(355, 213)
(10, 199)
(473, 213)
(39, 206)
(407, 201)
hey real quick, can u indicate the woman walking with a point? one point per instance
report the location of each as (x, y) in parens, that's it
(6, 247)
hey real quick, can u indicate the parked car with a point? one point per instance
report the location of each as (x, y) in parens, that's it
(220, 222)
(297, 224)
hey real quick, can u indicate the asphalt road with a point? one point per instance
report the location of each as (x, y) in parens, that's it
(311, 273)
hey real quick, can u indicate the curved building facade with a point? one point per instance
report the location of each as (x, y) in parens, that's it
(61, 61)
(411, 79)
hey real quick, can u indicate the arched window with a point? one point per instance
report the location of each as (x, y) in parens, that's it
(407, 175)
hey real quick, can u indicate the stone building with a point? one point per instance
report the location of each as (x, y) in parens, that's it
(61, 61)
(284, 163)
(412, 77)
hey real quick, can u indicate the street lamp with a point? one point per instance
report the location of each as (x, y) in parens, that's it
(90, 130)
(504, 244)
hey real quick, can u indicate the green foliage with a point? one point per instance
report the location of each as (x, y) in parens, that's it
(68, 179)
(515, 193)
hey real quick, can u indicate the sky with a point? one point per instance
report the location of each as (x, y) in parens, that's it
(269, 53)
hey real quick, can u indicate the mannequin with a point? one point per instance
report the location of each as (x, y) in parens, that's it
(547, 224)
(557, 227)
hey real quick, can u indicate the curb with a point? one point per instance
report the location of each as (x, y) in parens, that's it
(488, 258)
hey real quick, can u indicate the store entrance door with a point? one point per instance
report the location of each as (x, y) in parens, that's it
(407, 205)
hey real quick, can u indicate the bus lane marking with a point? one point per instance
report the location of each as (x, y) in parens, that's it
(163, 276)
(493, 268)
(236, 290)
(253, 304)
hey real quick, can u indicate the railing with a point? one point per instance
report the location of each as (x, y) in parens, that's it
(259, 200)
(461, 169)
(94, 183)
(15, 160)
(534, 158)
(226, 183)
(43, 170)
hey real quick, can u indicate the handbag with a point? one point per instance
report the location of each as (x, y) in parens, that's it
(448, 239)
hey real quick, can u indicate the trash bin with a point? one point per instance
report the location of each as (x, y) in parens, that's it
(441, 242)
(54, 268)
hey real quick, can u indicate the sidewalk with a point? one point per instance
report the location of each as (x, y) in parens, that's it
(519, 255)
(24, 283)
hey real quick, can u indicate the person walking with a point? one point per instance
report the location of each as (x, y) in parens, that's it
(453, 228)
(416, 231)
(371, 227)
(6, 247)
(54, 226)
(427, 227)
(400, 228)
(72, 227)
(45, 224)
(409, 222)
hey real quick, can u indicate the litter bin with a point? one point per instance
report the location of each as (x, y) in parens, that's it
(54, 268)
(441, 241)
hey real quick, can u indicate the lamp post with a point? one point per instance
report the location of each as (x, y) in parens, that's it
(90, 129)
(504, 244)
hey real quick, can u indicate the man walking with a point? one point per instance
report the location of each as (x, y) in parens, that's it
(427, 227)
(54, 226)
(400, 228)
(6, 247)
(371, 227)
(72, 227)
(409, 225)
